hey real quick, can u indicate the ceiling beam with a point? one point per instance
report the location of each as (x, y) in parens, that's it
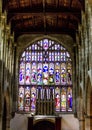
(72, 34)
(12, 16)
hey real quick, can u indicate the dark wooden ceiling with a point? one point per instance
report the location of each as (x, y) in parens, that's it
(43, 16)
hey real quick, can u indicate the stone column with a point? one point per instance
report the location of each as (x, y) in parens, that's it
(82, 124)
(0, 121)
(81, 115)
(88, 123)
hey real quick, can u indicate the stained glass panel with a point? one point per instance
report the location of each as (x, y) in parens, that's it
(45, 78)
(69, 73)
(69, 99)
(57, 99)
(63, 99)
(63, 73)
(33, 99)
(57, 73)
(39, 74)
(45, 44)
(22, 73)
(21, 98)
(27, 98)
(45, 74)
(51, 73)
(28, 69)
(34, 74)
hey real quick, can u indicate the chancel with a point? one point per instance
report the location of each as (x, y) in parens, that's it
(45, 65)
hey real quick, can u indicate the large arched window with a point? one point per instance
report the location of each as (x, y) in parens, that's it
(45, 79)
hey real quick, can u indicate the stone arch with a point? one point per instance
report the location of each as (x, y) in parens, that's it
(88, 97)
(44, 124)
(27, 40)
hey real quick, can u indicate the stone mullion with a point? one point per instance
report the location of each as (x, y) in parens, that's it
(1, 51)
(83, 51)
(90, 37)
(74, 82)
(81, 58)
(12, 78)
(77, 62)
(10, 68)
(14, 89)
(89, 29)
(80, 100)
(77, 72)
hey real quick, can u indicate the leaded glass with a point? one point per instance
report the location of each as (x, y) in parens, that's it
(21, 98)
(57, 99)
(63, 99)
(45, 79)
(63, 73)
(34, 74)
(45, 44)
(69, 73)
(51, 73)
(39, 74)
(45, 74)
(33, 99)
(69, 99)
(27, 98)
(28, 69)
(22, 73)
(57, 73)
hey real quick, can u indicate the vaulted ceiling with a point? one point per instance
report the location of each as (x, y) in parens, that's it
(43, 16)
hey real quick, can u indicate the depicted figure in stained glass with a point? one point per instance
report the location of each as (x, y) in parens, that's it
(21, 98)
(63, 73)
(57, 99)
(28, 73)
(27, 98)
(51, 73)
(20, 103)
(63, 77)
(63, 100)
(69, 99)
(57, 77)
(45, 44)
(45, 74)
(34, 74)
(39, 74)
(33, 102)
(22, 73)
(69, 74)
(39, 78)
(21, 77)
(69, 80)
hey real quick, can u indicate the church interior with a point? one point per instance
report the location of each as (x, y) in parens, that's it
(46, 64)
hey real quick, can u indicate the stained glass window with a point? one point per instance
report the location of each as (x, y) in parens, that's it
(45, 79)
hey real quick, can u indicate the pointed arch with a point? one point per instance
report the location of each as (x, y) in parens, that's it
(44, 66)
